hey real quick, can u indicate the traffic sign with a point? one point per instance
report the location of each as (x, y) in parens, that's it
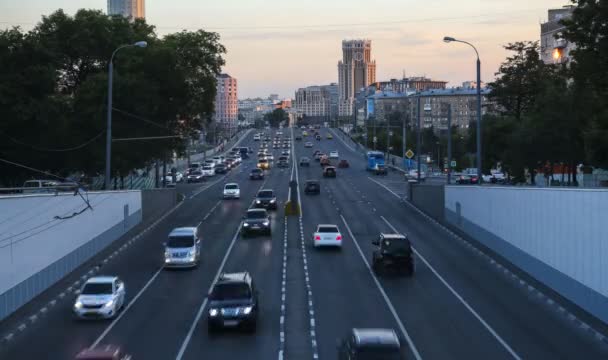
(375, 139)
(453, 163)
(390, 133)
(409, 154)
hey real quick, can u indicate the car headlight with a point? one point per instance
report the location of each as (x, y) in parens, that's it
(266, 223)
(78, 305)
(213, 312)
(167, 254)
(109, 304)
(245, 224)
(191, 253)
(247, 310)
(258, 202)
(273, 201)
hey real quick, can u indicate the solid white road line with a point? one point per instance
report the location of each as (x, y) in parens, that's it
(386, 299)
(384, 186)
(344, 142)
(461, 299)
(201, 309)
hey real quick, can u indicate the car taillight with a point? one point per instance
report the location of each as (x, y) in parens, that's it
(339, 237)
(317, 238)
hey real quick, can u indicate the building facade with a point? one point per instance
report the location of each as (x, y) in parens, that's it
(226, 103)
(313, 102)
(135, 9)
(406, 84)
(255, 109)
(554, 48)
(356, 71)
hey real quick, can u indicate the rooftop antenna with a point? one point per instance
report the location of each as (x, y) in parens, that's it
(403, 73)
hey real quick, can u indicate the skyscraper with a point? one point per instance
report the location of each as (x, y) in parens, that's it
(226, 103)
(135, 9)
(356, 70)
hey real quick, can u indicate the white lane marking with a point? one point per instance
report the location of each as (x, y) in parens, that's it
(124, 311)
(461, 299)
(201, 309)
(343, 142)
(209, 185)
(386, 299)
(384, 186)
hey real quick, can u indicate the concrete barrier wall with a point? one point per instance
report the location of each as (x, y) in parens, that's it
(430, 199)
(37, 249)
(559, 236)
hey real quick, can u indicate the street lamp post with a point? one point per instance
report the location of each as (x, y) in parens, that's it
(108, 177)
(449, 39)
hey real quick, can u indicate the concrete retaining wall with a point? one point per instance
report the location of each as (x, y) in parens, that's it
(37, 249)
(559, 236)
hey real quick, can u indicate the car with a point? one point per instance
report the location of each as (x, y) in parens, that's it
(324, 160)
(256, 174)
(208, 170)
(218, 160)
(232, 191)
(304, 161)
(275, 146)
(318, 156)
(329, 171)
(285, 153)
(256, 137)
(256, 221)
(334, 154)
(194, 166)
(393, 252)
(233, 302)
(279, 133)
(286, 146)
(318, 137)
(327, 235)
(283, 163)
(464, 179)
(195, 176)
(343, 164)
(312, 187)
(221, 169)
(266, 199)
(270, 157)
(179, 177)
(101, 297)
(183, 249)
(380, 170)
(103, 352)
(229, 164)
(329, 136)
(362, 343)
(304, 133)
(308, 144)
(298, 137)
(263, 164)
(413, 175)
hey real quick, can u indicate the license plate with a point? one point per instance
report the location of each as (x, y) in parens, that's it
(255, 227)
(231, 322)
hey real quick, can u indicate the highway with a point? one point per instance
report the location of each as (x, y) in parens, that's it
(456, 306)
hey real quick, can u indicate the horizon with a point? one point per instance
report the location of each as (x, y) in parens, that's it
(279, 51)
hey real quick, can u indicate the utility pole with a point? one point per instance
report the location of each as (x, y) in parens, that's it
(449, 144)
(418, 140)
(403, 139)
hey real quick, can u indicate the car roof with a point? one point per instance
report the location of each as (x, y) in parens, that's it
(257, 210)
(312, 181)
(183, 231)
(231, 184)
(330, 167)
(101, 279)
(334, 225)
(104, 350)
(235, 277)
(393, 236)
(376, 337)
(265, 190)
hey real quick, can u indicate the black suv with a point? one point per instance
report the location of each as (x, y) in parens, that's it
(233, 302)
(312, 187)
(256, 174)
(256, 221)
(370, 344)
(283, 162)
(266, 199)
(394, 252)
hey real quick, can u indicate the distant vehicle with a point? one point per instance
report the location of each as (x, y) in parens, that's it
(209, 162)
(263, 164)
(343, 164)
(318, 156)
(195, 176)
(208, 170)
(393, 252)
(329, 171)
(100, 297)
(282, 163)
(179, 177)
(279, 133)
(265, 199)
(256, 174)
(327, 235)
(103, 352)
(312, 187)
(183, 248)
(194, 166)
(324, 160)
(256, 221)
(218, 160)
(413, 175)
(233, 302)
(298, 137)
(318, 137)
(329, 136)
(232, 191)
(362, 344)
(221, 169)
(380, 170)
(285, 152)
(304, 161)
(256, 137)
(39, 186)
(308, 144)
(374, 158)
(269, 157)
(334, 154)
(304, 133)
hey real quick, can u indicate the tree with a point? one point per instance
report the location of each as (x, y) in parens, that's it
(518, 79)
(276, 117)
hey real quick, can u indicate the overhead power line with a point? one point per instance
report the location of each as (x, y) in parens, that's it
(140, 118)
(44, 149)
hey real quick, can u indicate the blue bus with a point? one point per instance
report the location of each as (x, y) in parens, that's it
(374, 158)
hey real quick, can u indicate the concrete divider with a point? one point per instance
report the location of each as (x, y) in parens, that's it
(45, 237)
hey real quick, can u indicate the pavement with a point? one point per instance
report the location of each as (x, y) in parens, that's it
(456, 306)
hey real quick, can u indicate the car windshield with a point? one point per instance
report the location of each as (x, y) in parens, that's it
(263, 161)
(256, 215)
(180, 241)
(207, 168)
(196, 172)
(231, 187)
(266, 194)
(256, 171)
(97, 288)
(230, 291)
(327, 229)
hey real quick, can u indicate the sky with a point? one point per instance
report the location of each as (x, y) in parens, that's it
(280, 46)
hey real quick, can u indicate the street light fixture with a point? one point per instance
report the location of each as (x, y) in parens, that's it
(449, 39)
(140, 44)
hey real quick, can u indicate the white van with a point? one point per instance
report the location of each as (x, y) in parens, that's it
(39, 186)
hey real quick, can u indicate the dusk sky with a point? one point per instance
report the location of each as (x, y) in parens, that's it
(279, 46)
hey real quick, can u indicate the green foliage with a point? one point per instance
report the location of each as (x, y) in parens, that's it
(53, 92)
(276, 117)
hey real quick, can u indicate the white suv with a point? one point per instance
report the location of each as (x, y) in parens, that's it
(327, 235)
(232, 191)
(208, 170)
(334, 154)
(100, 297)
